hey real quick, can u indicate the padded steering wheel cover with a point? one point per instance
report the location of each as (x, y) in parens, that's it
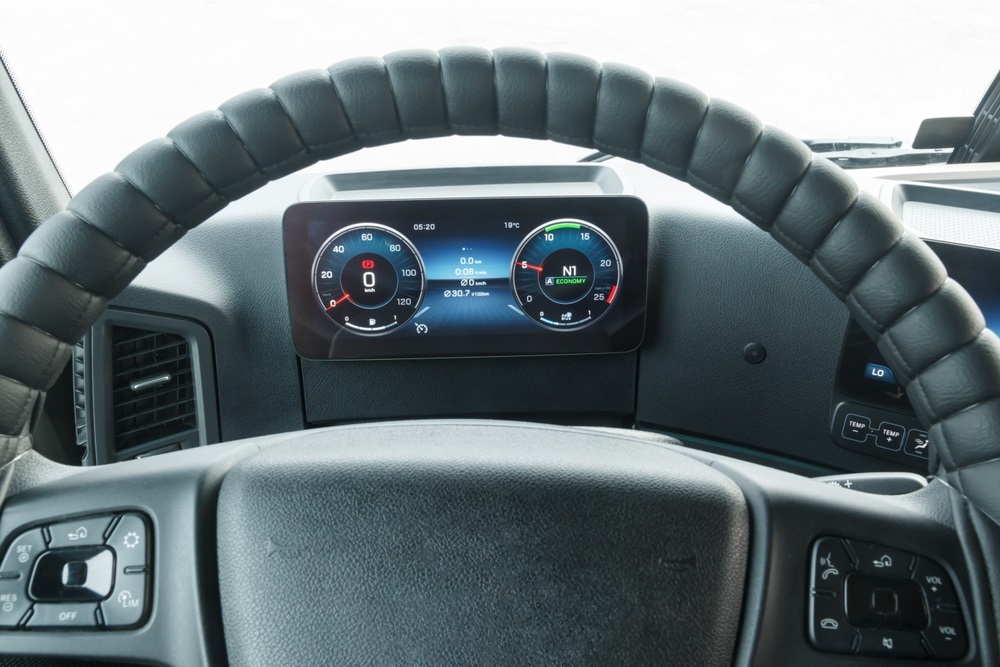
(927, 327)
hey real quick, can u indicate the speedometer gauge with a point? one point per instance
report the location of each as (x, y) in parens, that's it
(369, 279)
(566, 274)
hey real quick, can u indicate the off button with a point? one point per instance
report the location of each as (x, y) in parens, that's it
(63, 616)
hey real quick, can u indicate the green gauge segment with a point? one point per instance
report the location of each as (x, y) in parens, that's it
(566, 274)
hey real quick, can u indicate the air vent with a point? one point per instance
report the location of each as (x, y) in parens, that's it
(152, 386)
(80, 396)
(143, 385)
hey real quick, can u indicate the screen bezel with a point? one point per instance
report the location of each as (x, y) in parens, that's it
(623, 218)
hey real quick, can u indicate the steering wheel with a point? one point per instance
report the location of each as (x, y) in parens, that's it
(489, 542)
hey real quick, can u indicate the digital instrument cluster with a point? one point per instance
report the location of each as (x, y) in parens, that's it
(466, 277)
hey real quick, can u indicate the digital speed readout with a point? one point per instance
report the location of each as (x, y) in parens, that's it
(466, 277)
(369, 279)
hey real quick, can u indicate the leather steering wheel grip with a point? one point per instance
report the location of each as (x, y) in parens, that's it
(928, 328)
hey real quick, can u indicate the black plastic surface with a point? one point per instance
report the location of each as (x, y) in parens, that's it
(591, 388)
(715, 290)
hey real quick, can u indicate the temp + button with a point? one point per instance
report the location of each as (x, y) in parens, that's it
(890, 436)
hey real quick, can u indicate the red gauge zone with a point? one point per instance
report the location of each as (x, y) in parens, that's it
(566, 274)
(369, 279)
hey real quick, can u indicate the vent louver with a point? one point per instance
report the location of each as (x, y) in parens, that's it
(80, 395)
(152, 386)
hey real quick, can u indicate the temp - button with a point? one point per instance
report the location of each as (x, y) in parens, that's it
(856, 427)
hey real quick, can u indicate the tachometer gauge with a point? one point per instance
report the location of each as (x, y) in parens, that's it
(566, 274)
(369, 279)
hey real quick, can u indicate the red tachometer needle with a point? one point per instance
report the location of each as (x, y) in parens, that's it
(525, 265)
(338, 301)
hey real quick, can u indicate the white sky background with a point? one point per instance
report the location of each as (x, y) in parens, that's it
(104, 77)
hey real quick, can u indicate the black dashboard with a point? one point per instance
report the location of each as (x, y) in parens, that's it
(730, 345)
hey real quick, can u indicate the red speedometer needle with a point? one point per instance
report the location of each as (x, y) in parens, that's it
(525, 265)
(338, 300)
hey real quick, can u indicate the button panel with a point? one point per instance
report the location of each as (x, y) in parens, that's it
(870, 599)
(88, 573)
(890, 435)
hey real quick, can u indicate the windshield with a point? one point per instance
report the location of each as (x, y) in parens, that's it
(103, 78)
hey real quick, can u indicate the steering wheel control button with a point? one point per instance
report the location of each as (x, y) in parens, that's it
(129, 540)
(917, 444)
(828, 628)
(946, 636)
(79, 532)
(890, 436)
(127, 604)
(830, 564)
(754, 353)
(882, 561)
(73, 575)
(857, 427)
(21, 554)
(14, 602)
(63, 616)
(882, 602)
(936, 584)
(891, 644)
